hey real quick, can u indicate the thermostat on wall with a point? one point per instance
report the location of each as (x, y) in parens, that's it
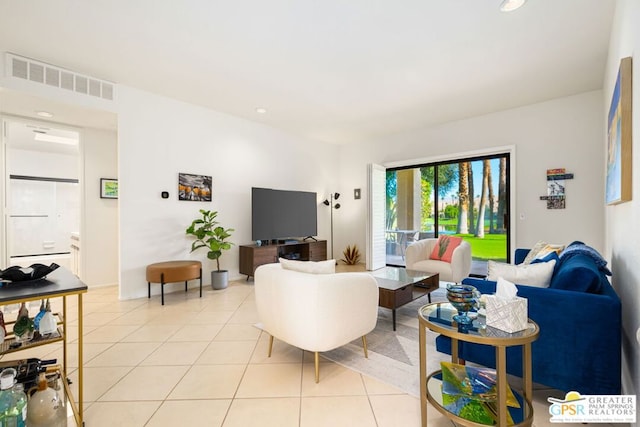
(165, 194)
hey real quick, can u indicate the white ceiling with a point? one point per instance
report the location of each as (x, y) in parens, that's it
(334, 70)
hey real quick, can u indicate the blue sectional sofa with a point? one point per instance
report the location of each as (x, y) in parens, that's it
(579, 315)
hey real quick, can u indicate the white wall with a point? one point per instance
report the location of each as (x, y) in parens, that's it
(99, 238)
(622, 229)
(563, 133)
(159, 137)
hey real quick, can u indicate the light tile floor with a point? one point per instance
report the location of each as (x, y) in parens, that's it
(201, 362)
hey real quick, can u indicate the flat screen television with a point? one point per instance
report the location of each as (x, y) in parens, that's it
(282, 214)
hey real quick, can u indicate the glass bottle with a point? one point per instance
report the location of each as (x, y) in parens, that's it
(3, 328)
(23, 328)
(8, 407)
(20, 400)
(48, 324)
(36, 320)
(43, 407)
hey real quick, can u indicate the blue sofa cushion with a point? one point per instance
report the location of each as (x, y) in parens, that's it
(550, 257)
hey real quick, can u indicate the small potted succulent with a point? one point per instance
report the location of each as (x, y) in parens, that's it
(210, 235)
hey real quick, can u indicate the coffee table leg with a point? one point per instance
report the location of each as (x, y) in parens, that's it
(393, 311)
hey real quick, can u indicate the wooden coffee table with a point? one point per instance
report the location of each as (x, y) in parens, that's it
(399, 286)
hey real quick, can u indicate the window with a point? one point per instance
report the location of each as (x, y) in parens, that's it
(467, 198)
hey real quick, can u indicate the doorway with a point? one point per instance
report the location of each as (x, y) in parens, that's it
(42, 190)
(466, 197)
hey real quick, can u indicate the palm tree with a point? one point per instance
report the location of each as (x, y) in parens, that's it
(491, 201)
(502, 193)
(483, 199)
(463, 197)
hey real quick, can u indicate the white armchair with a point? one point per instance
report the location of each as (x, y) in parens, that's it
(417, 258)
(315, 312)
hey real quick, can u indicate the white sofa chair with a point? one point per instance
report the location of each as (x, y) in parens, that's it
(315, 312)
(417, 258)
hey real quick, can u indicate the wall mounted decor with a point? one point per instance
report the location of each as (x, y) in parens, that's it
(618, 180)
(194, 187)
(108, 188)
(556, 188)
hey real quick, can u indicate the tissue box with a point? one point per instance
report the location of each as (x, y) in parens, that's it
(507, 315)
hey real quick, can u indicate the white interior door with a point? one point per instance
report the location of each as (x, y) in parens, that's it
(376, 250)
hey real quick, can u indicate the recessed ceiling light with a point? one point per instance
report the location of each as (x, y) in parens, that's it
(511, 5)
(261, 110)
(44, 114)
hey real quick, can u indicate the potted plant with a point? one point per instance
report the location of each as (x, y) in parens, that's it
(210, 235)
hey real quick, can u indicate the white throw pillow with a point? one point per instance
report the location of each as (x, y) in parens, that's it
(313, 267)
(531, 274)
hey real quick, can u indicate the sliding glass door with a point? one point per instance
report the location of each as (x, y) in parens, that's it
(466, 198)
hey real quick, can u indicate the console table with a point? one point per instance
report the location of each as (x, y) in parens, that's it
(438, 317)
(253, 256)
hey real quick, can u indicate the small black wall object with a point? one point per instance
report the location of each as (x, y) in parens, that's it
(165, 194)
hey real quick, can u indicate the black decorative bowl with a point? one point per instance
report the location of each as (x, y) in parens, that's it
(16, 273)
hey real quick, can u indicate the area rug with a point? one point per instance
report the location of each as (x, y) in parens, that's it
(394, 356)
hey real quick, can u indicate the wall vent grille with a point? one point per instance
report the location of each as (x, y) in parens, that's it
(40, 72)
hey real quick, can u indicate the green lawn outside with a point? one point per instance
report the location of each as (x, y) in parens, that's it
(491, 247)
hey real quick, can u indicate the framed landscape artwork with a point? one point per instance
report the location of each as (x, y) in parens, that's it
(618, 179)
(194, 187)
(108, 188)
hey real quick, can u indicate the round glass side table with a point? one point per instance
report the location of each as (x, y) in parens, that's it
(438, 317)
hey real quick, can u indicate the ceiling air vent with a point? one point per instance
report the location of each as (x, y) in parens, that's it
(81, 84)
(66, 80)
(19, 68)
(36, 73)
(43, 73)
(52, 78)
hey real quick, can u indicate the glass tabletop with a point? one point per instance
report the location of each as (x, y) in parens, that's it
(400, 276)
(439, 318)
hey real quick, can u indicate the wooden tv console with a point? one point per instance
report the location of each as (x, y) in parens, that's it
(253, 256)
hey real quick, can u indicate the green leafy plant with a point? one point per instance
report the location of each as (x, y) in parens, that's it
(351, 255)
(210, 235)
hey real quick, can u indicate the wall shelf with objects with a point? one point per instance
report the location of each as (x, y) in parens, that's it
(556, 195)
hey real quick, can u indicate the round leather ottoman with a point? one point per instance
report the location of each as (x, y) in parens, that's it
(173, 271)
